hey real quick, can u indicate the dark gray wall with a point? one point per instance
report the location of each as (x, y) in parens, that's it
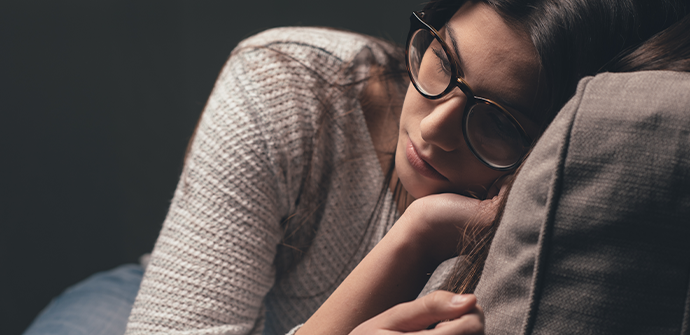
(97, 102)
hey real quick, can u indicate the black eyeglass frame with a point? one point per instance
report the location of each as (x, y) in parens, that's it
(417, 23)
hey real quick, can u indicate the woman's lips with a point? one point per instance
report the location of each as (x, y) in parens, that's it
(420, 165)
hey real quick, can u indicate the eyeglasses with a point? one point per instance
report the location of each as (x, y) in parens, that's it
(493, 135)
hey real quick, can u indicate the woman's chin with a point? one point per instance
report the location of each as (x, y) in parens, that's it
(417, 187)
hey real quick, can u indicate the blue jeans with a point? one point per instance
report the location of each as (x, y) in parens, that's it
(99, 305)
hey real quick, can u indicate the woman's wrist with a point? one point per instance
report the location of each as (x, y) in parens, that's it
(435, 225)
(412, 242)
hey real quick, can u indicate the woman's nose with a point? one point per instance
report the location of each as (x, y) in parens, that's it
(443, 126)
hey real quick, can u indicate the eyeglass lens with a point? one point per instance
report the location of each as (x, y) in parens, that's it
(429, 63)
(491, 134)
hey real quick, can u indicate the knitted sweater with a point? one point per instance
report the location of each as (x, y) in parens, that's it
(282, 150)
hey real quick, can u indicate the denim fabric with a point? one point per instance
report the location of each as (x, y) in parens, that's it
(99, 305)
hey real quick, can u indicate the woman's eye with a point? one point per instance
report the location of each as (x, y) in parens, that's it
(502, 128)
(443, 63)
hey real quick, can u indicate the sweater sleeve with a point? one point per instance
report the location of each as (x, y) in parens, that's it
(281, 137)
(212, 264)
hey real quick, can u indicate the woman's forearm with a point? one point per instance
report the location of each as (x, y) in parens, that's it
(397, 268)
(393, 272)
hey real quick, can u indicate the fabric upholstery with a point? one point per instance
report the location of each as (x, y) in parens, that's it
(595, 238)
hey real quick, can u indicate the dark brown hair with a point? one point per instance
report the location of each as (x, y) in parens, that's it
(669, 50)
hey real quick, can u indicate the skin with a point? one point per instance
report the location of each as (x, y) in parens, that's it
(379, 295)
(406, 318)
(500, 64)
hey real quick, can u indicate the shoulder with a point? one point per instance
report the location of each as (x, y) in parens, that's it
(305, 62)
(312, 56)
(296, 66)
(301, 42)
(281, 86)
(288, 79)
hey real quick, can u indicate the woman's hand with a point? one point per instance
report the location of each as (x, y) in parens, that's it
(437, 223)
(464, 315)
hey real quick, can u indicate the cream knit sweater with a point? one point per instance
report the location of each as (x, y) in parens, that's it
(282, 137)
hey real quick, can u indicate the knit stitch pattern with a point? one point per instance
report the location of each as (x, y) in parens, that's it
(281, 140)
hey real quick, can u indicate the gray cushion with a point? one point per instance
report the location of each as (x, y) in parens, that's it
(596, 234)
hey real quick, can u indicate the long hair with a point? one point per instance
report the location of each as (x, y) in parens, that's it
(575, 39)
(669, 50)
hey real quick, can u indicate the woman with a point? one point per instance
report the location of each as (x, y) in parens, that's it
(274, 177)
(668, 50)
(281, 194)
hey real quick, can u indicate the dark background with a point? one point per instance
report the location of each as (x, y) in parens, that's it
(97, 102)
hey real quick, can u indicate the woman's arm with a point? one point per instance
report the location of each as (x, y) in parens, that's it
(212, 263)
(398, 267)
(278, 153)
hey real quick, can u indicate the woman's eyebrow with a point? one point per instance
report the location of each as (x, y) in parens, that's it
(454, 42)
(450, 32)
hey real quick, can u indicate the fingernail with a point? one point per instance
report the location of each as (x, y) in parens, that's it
(458, 299)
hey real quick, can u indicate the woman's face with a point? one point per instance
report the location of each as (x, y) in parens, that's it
(499, 63)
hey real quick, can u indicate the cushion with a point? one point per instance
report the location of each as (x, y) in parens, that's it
(595, 238)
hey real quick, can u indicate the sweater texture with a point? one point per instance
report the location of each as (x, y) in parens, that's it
(282, 154)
